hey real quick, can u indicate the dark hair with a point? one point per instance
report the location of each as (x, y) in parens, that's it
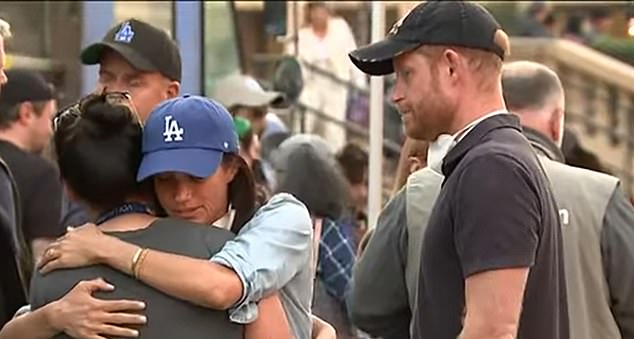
(574, 25)
(316, 4)
(98, 150)
(271, 142)
(599, 13)
(241, 192)
(257, 170)
(354, 162)
(577, 156)
(10, 113)
(315, 181)
(536, 7)
(312, 5)
(258, 112)
(550, 19)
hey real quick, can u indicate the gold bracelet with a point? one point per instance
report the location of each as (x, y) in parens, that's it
(135, 259)
(137, 268)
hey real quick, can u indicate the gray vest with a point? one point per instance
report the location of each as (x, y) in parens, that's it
(582, 197)
(423, 188)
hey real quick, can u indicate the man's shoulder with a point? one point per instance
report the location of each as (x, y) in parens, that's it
(571, 173)
(492, 156)
(25, 164)
(574, 186)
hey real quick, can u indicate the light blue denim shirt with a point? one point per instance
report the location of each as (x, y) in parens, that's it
(272, 253)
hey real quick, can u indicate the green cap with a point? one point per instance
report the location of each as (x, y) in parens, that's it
(242, 126)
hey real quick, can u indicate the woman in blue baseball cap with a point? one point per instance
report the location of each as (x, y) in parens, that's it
(190, 154)
(97, 143)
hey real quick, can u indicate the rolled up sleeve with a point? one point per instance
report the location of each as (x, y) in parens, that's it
(268, 252)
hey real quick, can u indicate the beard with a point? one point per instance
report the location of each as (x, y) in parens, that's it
(430, 118)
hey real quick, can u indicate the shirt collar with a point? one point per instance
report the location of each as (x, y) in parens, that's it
(439, 148)
(475, 137)
(543, 145)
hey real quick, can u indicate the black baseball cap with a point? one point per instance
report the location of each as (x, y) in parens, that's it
(23, 86)
(457, 23)
(144, 46)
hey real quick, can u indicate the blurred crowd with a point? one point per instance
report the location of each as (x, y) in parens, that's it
(592, 27)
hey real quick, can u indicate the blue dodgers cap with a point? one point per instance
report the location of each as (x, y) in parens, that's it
(187, 134)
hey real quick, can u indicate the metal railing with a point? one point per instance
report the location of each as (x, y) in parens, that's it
(301, 109)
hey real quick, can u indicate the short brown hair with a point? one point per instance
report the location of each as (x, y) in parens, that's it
(10, 113)
(354, 162)
(486, 65)
(480, 60)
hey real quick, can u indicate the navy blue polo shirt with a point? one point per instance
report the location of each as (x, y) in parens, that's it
(495, 211)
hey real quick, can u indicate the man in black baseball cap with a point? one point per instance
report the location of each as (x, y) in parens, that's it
(137, 57)
(27, 105)
(491, 260)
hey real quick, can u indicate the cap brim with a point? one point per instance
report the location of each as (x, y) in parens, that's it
(376, 58)
(91, 55)
(199, 163)
(255, 99)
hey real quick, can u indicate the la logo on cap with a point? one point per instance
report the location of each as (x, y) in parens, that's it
(125, 33)
(172, 131)
(397, 25)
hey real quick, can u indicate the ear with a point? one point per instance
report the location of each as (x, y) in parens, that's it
(414, 164)
(556, 126)
(231, 169)
(173, 89)
(452, 62)
(25, 113)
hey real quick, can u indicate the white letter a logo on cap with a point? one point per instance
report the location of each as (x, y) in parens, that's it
(172, 131)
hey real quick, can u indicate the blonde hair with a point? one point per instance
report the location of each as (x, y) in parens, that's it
(5, 29)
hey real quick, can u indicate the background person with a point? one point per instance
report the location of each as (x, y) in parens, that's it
(307, 169)
(13, 284)
(27, 106)
(596, 215)
(244, 97)
(353, 160)
(250, 150)
(391, 259)
(324, 43)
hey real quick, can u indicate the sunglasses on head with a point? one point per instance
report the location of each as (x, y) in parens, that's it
(113, 98)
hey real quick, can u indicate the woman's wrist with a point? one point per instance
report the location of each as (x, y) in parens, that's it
(51, 313)
(117, 254)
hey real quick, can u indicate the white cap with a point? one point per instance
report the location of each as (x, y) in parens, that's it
(244, 90)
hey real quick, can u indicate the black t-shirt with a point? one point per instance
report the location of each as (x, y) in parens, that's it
(12, 295)
(495, 211)
(168, 317)
(40, 190)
